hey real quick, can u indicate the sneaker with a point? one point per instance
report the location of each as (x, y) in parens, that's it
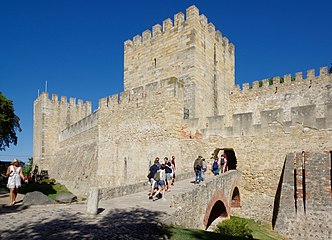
(150, 197)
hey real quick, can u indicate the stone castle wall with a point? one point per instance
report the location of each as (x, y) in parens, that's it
(51, 116)
(180, 99)
(303, 201)
(137, 127)
(189, 49)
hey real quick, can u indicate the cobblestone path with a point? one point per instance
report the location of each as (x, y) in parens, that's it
(129, 217)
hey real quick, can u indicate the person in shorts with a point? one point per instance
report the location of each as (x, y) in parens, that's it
(168, 174)
(160, 179)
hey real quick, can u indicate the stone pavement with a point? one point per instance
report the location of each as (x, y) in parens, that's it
(129, 217)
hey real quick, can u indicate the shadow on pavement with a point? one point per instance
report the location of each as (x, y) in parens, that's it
(135, 223)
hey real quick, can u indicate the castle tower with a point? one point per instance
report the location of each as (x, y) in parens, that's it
(51, 116)
(191, 50)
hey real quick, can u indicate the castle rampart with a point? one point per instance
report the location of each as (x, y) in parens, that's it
(180, 99)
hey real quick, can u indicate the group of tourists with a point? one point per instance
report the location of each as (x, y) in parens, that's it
(218, 166)
(161, 177)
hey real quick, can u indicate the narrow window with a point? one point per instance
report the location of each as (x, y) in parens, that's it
(155, 62)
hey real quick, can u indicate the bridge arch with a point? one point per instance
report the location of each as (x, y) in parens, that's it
(217, 207)
(236, 200)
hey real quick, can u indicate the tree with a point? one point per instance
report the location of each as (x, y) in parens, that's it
(9, 123)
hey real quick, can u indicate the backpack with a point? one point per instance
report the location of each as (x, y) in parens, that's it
(215, 165)
(157, 176)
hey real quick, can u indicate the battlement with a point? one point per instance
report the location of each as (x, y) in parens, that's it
(179, 22)
(275, 84)
(44, 96)
(169, 87)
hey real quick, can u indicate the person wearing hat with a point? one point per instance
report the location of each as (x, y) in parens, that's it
(14, 173)
(152, 171)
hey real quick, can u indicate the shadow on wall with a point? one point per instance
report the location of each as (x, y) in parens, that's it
(277, 197)
(117, 224)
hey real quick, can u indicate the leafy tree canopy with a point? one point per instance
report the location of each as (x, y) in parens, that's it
(9, 123)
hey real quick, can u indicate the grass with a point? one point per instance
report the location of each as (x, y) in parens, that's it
(259, 231)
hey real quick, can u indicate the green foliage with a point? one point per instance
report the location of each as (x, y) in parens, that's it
(292, 78)
(260, 83)
(9, 123)
(48, 181)
(270, 81)
(235, 226)
(282, 80)
(28, 168)
(250, 87)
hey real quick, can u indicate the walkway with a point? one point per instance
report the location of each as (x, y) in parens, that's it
(129, 217)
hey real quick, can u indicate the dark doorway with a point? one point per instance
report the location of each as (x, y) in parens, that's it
(218, 210)
(230, 155)
(236, 201)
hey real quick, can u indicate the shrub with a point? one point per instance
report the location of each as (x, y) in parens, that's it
(236, 227)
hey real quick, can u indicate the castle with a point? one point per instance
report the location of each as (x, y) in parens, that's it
(180, 98)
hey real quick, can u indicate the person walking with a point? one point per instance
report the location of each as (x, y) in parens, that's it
(215, 167)
(198, 169)
(14, 173)
(160, 179)
(204, 168)
(168, 174)
(152, 171)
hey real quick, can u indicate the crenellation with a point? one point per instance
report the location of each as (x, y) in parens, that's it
(124, 97)
(288, 79)
(231, 49)
(218, 36)
(80, 102)
(63, 99)
(203, 20)
(245, 86)
(323, 71)
(167, 25)
(265, 83)
(310, 73)
(156, 30)
(128, 44)
(178, 19)
(298, 76)
(211, 28)
(146, 36)
(137, 40)
(225, 42)
(55, 98)
(72, 101)
(192, 13)
(255, 85)
(276, 80)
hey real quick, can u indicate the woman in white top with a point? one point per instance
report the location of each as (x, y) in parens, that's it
(14, 173)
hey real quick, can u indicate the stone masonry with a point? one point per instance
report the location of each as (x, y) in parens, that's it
(180, 99)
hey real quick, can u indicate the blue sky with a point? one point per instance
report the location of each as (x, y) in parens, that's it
(77, 46)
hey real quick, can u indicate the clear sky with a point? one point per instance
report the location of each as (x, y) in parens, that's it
(77, 46)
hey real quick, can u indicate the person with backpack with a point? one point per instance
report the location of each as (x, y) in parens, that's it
(222, 163)
(215, 167)
(159, 177)
(152, 171)
(198, 169)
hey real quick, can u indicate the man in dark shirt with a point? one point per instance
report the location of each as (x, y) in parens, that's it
(152, 171)
(198, 169)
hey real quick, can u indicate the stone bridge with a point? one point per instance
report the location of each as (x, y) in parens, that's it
(132, 216)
